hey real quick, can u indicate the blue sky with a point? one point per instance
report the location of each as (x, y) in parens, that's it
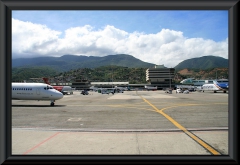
(171, 31)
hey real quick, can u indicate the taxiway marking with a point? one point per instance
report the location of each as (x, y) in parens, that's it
(31, 149)
(202, 143)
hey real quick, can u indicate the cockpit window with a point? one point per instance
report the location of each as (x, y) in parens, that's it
(49, 87)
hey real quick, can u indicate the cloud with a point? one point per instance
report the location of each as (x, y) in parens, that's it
(29, 40)
(168, 47)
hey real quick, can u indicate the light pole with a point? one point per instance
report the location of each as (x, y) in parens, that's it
(216, 74)
(112, 72)
(170, 77)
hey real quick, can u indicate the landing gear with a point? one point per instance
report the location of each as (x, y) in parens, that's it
(52, 103)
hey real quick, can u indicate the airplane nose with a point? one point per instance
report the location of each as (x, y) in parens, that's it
(59, 95)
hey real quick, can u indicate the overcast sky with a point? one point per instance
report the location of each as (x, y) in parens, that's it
(159, 37)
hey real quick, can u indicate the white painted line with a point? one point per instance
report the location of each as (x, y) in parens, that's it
(74, 119)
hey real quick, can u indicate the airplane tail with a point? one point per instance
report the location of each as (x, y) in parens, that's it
(222, 86)
(215, 82)
(46, 80)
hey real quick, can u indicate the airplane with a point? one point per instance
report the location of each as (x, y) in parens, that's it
(216, 86)
(63, 89)
(35, 91)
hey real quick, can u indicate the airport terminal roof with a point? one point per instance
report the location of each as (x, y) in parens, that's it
(109, 83)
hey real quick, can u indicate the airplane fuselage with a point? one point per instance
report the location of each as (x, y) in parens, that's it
(35, 91)
(209, 87)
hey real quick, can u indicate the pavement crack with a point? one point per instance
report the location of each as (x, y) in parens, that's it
(138, 149)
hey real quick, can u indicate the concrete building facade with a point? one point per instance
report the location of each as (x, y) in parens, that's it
(160, 76)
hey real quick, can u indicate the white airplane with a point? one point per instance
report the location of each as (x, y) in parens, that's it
(35, 91)
(216, 86)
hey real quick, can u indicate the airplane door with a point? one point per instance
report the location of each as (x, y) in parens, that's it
(38, 91)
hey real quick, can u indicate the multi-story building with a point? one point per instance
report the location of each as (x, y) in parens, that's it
(160, 76)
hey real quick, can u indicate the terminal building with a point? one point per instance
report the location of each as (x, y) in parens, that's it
(87, 85)
(160, 76)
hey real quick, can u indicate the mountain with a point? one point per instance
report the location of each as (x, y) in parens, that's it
(120, 67)
(68, 62)
(205, 62)
(21, 73)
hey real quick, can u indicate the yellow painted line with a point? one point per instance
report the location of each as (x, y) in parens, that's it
(209, 148)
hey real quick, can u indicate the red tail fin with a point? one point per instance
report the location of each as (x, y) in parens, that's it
(46, 80)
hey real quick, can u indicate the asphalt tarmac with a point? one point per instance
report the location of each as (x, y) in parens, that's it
(129, 123)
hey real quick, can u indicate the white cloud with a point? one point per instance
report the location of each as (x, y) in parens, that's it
(166, 47)
(29, 40)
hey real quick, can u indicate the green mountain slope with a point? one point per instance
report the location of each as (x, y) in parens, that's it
(68, 62)
(25, 73)
(204, 62)
(103, 73)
